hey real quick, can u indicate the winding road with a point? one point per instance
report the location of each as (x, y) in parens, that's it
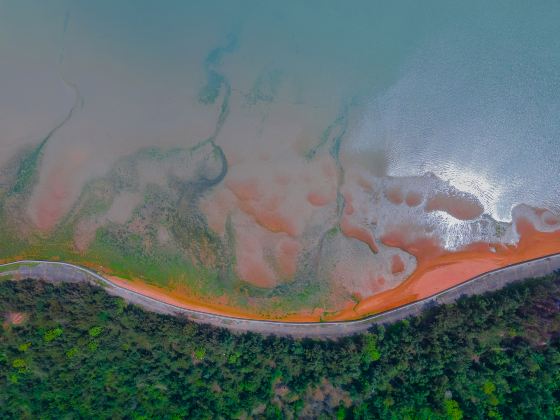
(55, 272)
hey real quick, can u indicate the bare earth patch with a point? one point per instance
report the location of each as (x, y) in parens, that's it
(15, 318)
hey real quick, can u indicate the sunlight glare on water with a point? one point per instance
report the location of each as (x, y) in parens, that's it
(295, 146)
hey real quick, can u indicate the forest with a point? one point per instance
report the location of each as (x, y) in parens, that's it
(73, 351)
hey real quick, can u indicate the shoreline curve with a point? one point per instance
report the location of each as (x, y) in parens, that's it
(57, 272)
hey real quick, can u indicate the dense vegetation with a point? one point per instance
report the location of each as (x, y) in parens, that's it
(78, 352)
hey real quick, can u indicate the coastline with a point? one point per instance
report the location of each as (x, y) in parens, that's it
(56, 272)
(437, 272)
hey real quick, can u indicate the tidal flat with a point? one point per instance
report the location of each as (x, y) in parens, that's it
(285, 161)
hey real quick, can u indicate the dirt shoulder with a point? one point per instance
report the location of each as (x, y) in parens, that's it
(56, 272)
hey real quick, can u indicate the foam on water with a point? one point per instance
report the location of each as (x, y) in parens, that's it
(477, 106)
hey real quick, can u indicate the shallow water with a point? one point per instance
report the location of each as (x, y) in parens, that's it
(276, 122)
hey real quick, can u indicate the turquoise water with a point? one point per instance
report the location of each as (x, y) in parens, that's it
(334, 94)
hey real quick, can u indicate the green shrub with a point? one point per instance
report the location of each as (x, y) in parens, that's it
(53, 334)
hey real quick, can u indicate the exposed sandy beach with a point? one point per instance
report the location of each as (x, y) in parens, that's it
(437, 270)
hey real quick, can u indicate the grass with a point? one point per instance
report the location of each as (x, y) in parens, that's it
(8, 268)
(17, 266)
(27, 171)
(195, 259)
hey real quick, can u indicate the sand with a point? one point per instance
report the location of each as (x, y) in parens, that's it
(359, 233)
(437, 270)
(460, 207)
(181, 299)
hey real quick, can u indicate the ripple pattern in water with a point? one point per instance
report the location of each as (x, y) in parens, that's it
(268, 155)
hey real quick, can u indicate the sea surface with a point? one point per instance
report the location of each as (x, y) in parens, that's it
(285, 120)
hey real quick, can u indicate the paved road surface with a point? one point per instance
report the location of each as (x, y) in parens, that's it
(55, 272)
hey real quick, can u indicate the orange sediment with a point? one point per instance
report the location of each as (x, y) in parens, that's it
(394, 195)
(461, 208)
(270, 220)
(359, 233)
(397, 264)
(318, 199)
(180, 299)
(286, 256)
(413, 199)
(439, 270)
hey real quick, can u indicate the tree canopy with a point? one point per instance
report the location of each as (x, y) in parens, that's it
(78, 352)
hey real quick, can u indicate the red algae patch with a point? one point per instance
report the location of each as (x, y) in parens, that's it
(50, 210)
(397, 264)
(55, 194)
(394, 195)
(251, 265)
(244, 190)
(272, 203)
(357, 280)
(460, 207)
(319, 199)
(256, 272)
(180, 298)
(360, 233)
(348, 207)
(413, 199)
(270, 220)
(550, 219)
(287, 253)
(439, 269)
(285, 199)
(365, 184)
(410, 240)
